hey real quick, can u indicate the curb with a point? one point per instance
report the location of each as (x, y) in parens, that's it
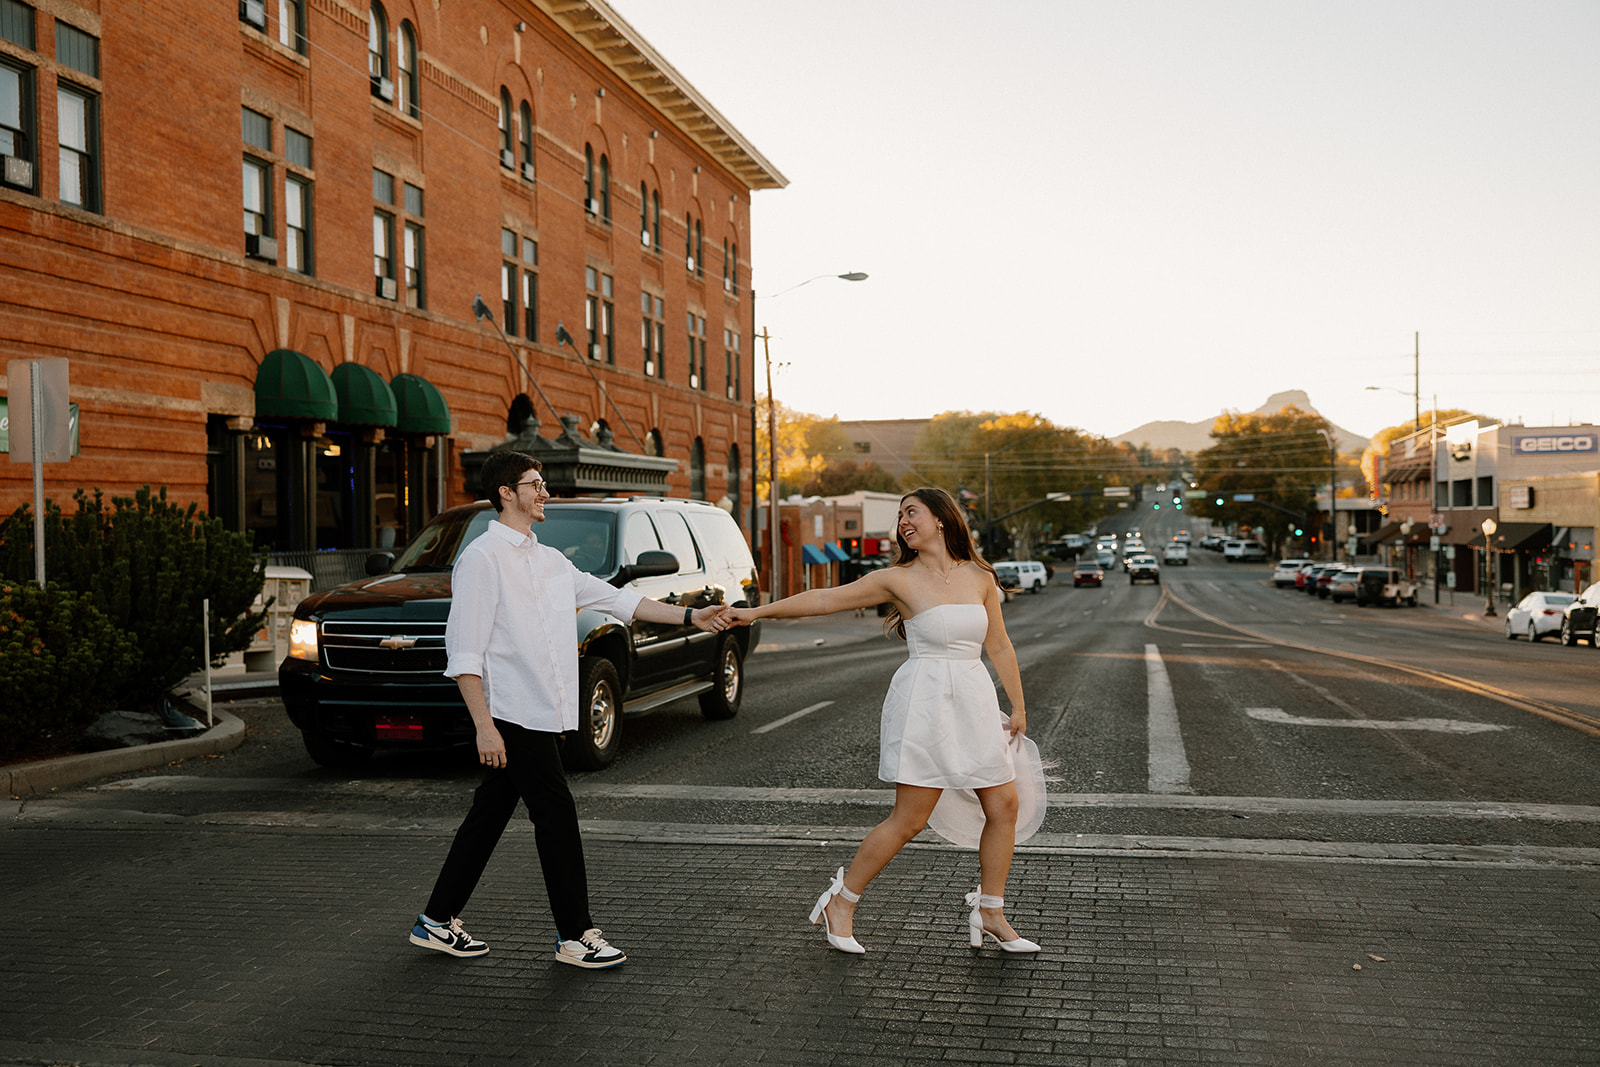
(26, 779)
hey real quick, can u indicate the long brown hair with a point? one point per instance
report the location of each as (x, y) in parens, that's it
(957, 542)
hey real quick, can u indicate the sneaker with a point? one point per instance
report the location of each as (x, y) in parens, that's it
(590, 950)
(451, 938)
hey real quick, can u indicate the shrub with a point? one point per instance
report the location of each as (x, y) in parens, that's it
(147, 564)
(61, 664)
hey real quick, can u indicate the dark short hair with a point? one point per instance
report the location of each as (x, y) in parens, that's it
(507, 469)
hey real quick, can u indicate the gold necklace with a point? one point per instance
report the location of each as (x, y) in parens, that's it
(945, 574)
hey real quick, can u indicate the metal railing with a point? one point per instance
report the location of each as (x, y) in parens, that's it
(328, 567)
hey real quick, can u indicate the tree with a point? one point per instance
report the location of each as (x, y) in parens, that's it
(840, 477)
(806, 444)
(1281, 459)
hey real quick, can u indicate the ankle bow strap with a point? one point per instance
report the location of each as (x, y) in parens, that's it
(979, 899)
(839, 888)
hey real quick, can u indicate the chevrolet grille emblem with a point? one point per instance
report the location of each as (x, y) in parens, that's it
(397, 641)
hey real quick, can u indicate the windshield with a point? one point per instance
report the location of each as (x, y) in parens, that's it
(582, 535)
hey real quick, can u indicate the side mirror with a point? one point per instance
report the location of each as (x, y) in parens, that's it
(648, 565)
(379, 563)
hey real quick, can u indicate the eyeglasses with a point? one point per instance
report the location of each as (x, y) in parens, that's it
(537, 484)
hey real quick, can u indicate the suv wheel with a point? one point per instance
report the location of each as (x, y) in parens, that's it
(599, 734)
(721, 701)
(330, 752)
(1566, 634)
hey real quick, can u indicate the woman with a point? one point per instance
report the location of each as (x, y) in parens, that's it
(942, 725)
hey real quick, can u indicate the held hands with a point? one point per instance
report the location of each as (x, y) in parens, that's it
(740, 616)
(713, 618)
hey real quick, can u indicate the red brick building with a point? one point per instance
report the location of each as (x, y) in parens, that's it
(257, 231)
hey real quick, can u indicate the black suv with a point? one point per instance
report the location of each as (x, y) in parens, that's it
(366, 660)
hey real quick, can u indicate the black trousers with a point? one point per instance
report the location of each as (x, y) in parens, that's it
(534, 775)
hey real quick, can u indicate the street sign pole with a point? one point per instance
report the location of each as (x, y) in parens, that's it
(40, 431)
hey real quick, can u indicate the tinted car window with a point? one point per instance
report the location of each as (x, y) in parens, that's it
(583, 536)
(638, 535)
(675, 536)
(721, 541)
(442, 540)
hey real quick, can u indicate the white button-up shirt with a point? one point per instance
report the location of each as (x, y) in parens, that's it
(511, 623)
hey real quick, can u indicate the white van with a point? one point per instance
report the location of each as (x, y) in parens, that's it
(1030, 574)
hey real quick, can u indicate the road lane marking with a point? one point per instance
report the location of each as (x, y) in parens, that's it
(1439, 726)
(1224, 644)
(775, 723)
(1169, 766)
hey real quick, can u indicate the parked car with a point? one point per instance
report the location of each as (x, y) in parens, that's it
(1030, 576)
(1211, 543)
(1088, 572)
(1537, 616)
(1304, 572)
(1286, 571)
(1384, 585)
(1313, 573)
(366, 659)
(1231, 549)
(1342, 584)
(1143, 568)
(1252, 551)
(1578, 617)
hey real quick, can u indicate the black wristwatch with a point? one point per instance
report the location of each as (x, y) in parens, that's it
(688, 616)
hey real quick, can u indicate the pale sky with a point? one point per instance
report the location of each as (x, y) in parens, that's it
(1111, 212)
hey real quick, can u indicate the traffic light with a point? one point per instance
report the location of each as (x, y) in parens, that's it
(1299, 531)
(1219, 501)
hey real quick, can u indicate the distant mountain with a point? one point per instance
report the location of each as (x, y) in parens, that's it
(1193, 436)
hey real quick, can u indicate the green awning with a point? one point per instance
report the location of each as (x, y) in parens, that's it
(364, 397)
(421, 408)
(291, 385)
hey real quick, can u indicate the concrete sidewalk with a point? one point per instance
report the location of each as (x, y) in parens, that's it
(273, 944)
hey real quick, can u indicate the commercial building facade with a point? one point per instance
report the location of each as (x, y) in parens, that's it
(279, 242)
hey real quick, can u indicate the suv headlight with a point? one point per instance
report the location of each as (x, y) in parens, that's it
(303, 639)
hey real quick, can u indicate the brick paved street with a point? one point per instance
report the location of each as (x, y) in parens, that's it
(192, 944)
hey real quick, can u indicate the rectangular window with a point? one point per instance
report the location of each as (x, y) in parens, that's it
(530, 289)
(383, 253)
(413, 204)
(292, 24)
(16, 127)
(608, 317)
(599, 315)
(383, 187)
(297, 147)
(653, 334)
(77, 50)
(257, 129)
(731, 360)
(413, 254)
(508, 282)
(257, 198)
(697, 351)
(1485, 491)
(77, 123)
(16, 23)
(297, 224)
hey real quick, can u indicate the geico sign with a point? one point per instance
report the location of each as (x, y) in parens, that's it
(1578, 442)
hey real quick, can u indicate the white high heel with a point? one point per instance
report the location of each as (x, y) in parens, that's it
(819, 914)
(975, 924)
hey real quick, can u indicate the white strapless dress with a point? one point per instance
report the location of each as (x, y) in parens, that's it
(942, 726)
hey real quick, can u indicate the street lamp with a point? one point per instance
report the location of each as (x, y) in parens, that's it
(775, 568)
(1489, 527)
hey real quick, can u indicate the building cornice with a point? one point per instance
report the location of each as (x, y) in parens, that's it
(608, 37)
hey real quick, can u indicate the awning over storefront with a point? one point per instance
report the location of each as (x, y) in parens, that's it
(813, 556)
(420, 407)
(290, 385)
(365, 399)
(836, 553)
(1387, 532)
(1513, 535)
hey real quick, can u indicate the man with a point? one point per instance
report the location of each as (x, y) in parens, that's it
(513, 651)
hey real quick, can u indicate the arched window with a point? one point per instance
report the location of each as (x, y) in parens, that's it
(699, 251)
(378, 53)
(652, 444)
(526, 129)
(605, 189)
(644, 215)
(589, 204)
(688, 243)
(726, 286)
(655, 215)
(697, 470)
(508, 159)
(735, 485)
(733, 269)
(406, 96)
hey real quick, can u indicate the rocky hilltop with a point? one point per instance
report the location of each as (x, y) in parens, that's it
(1193, 436)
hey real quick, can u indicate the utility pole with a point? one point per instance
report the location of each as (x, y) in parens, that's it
(1416, 380)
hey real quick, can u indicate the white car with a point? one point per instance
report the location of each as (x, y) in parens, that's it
(1537, 615)
(1175, 552)
(1030, 574)
(1284, 573)
(1231, 549)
